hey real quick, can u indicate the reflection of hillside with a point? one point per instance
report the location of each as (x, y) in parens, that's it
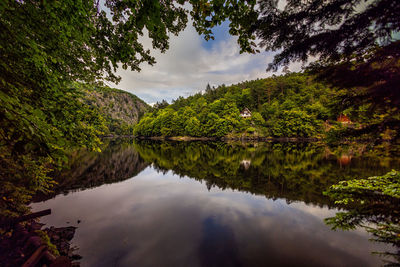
(290, 171)
(118, 161)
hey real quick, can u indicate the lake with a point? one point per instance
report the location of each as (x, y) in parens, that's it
(153, 203)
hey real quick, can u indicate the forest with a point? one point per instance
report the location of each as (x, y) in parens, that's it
(290, 105)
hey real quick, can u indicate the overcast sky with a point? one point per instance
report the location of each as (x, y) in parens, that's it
(191, 63)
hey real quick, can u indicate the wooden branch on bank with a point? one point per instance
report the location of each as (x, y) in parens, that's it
(35, 257)
(12, 221)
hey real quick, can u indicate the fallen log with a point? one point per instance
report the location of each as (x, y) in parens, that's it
(9, 222)
(35, 257)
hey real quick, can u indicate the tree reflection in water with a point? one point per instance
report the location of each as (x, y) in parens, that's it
(294, 171)
(117, 162)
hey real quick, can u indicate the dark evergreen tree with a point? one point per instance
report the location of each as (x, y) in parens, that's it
(161, 105)
(356, 44)
(329, 30)
(208, 88)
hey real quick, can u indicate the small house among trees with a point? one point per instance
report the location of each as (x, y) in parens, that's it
(246, 163)
(246, 113)
(344, 119)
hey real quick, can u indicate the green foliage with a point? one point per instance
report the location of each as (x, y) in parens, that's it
(331, 30)
(293, 105)
(356, 46)
(193, 127)
(48, 46)
(46, 240)
(295, 123)
(258, 119)
(336, 133)
(371, 203)
(348, 192)
(251, 130)
(35, 135)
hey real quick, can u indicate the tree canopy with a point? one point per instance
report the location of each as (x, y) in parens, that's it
(331, 30)
(293, 105)
(49, 48)
(355, 43)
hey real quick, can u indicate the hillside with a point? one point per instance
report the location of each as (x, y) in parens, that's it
(292, 105)
(120, 109)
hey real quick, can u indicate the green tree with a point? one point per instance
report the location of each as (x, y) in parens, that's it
(245, 99)
(193, 127)
(356, 44)
(372, 204)
(178, 123)
(258, 119)
(331, 30)
(199, 104)
(295, 123)
(145, 126)
(161, 105)
(217, 106)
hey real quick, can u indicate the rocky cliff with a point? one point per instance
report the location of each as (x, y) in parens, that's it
(121, 110)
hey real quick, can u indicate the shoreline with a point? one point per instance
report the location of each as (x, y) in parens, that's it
(260, 139)
(244, 138)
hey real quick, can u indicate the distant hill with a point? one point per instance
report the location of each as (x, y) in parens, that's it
(120, 109)
(293, 105)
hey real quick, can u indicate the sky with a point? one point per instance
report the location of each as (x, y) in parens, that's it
(191, 63)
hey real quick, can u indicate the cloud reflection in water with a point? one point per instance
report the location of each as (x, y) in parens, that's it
(157, 219)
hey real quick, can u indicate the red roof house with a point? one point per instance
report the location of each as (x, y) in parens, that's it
(343, 119)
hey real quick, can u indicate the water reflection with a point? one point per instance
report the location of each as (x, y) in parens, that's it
(190, 208)
(218, 246)
(118, 161)
(284, 170)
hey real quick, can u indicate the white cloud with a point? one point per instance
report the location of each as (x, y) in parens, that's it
(187, 67)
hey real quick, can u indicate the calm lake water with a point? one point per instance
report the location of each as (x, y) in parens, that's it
(213, 204)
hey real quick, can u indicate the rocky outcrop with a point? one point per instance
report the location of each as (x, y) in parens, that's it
(28, 245)
(122, 110)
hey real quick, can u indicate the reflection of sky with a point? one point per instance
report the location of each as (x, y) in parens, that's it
(163, 220)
